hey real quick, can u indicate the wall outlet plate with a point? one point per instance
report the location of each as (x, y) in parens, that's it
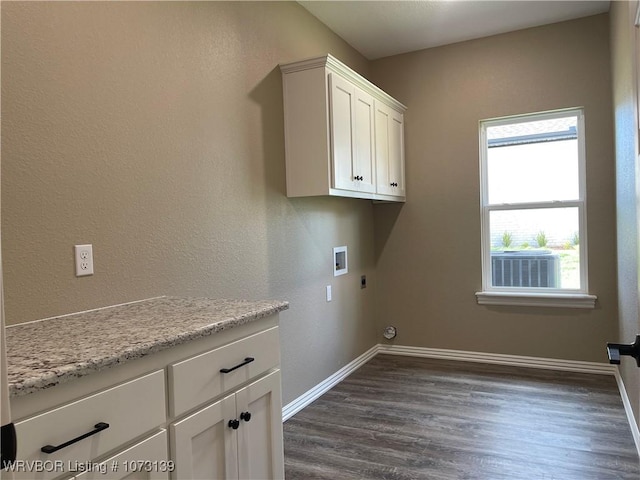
(84, 260)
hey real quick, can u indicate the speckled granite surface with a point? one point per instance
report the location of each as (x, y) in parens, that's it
(53, 351)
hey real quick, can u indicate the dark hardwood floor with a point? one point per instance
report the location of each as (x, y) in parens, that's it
(414, 418)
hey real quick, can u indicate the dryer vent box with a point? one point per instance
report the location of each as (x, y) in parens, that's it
(340, 262)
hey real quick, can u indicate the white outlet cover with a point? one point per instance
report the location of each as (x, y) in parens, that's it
(84, 260)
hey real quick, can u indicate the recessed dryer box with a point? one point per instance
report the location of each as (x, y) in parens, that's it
(340, 261)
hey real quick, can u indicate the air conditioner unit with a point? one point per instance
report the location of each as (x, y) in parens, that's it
(527, 268)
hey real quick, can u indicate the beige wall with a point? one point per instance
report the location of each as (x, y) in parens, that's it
(154, 131)
(628, 191)
(428, 252)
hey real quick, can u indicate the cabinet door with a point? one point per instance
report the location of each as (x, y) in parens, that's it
(146, 460)
(363, 141)
(203, 445)
(342, 119)
(352, 136)
(389, 151)
(260, 450)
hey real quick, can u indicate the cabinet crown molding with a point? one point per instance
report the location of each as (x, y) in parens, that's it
(335, 65)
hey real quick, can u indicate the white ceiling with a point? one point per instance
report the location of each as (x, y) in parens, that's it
(381, 28)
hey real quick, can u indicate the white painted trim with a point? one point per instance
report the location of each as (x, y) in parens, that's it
(526, 299)
(487, 207)
(316, 392)
(460, 355)
(628, 410)
(500, 359)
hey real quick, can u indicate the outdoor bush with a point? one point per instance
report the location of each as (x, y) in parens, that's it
(507, 239)
(541, 239)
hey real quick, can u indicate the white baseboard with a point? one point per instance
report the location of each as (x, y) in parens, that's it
(316, 392)
(494, 358)
(627, 408)
(500, 359)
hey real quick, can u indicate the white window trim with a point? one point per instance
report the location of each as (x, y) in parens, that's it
(523, 299)
(544, 297)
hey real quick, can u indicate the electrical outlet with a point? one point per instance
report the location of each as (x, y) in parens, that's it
(328, 293)
(84, 260)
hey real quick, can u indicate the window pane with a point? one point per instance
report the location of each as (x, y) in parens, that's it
(533, 161)
(535, 248)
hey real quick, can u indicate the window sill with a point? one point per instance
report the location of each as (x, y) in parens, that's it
(565, 300)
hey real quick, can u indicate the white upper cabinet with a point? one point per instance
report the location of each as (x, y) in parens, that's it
(343, 135)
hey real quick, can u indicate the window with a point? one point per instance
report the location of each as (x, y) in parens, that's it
(532, 170)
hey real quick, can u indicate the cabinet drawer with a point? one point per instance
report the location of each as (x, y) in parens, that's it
(129, 409)
(197, 380)
(147, 460)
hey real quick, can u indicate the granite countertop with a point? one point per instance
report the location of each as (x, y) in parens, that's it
(45, 353)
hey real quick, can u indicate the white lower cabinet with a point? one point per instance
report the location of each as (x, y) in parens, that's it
(121, 430)
(236, 437)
